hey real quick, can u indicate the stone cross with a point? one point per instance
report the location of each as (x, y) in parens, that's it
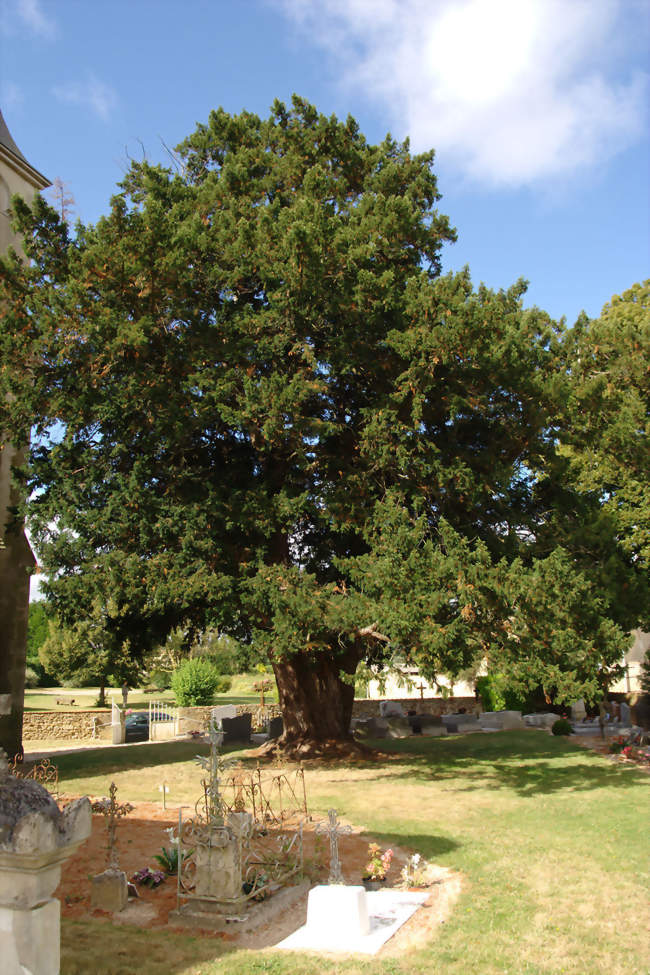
(113, 811)
(334, 829)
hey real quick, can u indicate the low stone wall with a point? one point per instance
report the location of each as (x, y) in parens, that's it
(62, 724)
(198, 718)
(79, 724)
(367, 708)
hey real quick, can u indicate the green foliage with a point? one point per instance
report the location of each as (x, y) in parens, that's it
(87, 654)
(229, 656)
(194, 682)
(644, 679)
(604, 445)
(223, 684)
(168, 858)
(160, 679)
(562, 727)
(37, 629)
(490, 690)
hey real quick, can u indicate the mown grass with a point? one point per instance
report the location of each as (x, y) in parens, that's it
(551, 840)
(85, 698)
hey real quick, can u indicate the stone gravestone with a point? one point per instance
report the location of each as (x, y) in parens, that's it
(222, 711)
(391, 709)
(236, 729)
(625, 713)
(398, 728)
(275, 727)
(370, 727)
(35, 839)
(578, 710)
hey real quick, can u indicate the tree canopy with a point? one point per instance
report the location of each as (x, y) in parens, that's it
(259, 405)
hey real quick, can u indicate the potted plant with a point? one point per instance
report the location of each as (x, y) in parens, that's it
(377, 867)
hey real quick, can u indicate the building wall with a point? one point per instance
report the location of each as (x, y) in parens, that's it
(416, 687)
(16, 559)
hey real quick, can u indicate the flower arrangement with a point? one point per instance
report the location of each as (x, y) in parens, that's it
(415, 872)
(633, 746)
(148, 878)
(378, 863)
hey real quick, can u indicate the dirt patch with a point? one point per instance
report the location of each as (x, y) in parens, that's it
(142, 834)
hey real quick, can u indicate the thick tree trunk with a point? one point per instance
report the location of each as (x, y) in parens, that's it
(316, 704)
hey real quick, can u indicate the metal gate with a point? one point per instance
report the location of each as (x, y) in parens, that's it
(163, 721)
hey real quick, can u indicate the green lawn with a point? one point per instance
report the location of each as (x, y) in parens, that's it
(552, 842)
(85, 698)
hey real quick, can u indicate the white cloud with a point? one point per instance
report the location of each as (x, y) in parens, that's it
(32, 16)
(511, 91)
(95, 95)
(12, 96)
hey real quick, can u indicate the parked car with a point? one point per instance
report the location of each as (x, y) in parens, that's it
(136, 726)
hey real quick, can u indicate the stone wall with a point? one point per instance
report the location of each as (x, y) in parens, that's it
(62, 724)
(197, 718)
(79, 724)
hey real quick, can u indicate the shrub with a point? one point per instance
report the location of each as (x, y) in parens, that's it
(562, 727)
(223, 684)
(194, 682)
(32, 678)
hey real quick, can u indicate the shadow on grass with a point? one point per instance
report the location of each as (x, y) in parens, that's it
(121, 758)
(106, 949)
(528, 763)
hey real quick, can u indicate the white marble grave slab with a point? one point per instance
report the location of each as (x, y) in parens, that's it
(387, 911)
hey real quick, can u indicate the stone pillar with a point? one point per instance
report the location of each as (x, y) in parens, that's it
(118, 725)
(35, 838)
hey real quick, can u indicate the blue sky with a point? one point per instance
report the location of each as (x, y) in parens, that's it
(537, 109)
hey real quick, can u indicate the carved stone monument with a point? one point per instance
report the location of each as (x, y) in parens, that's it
(35, 838)
(17, 176)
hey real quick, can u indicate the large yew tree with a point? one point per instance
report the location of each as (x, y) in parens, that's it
(258, 404)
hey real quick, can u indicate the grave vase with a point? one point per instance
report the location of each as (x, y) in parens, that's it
(373, 883)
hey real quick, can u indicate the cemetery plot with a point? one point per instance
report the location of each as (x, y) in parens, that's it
(141, 835)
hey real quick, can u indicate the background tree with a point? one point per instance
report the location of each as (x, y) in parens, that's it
(260, 407)
(607, 437)
(89, 652)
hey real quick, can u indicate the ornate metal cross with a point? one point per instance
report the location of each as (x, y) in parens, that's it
(214, 765)
(112, 811)
(334, 829)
